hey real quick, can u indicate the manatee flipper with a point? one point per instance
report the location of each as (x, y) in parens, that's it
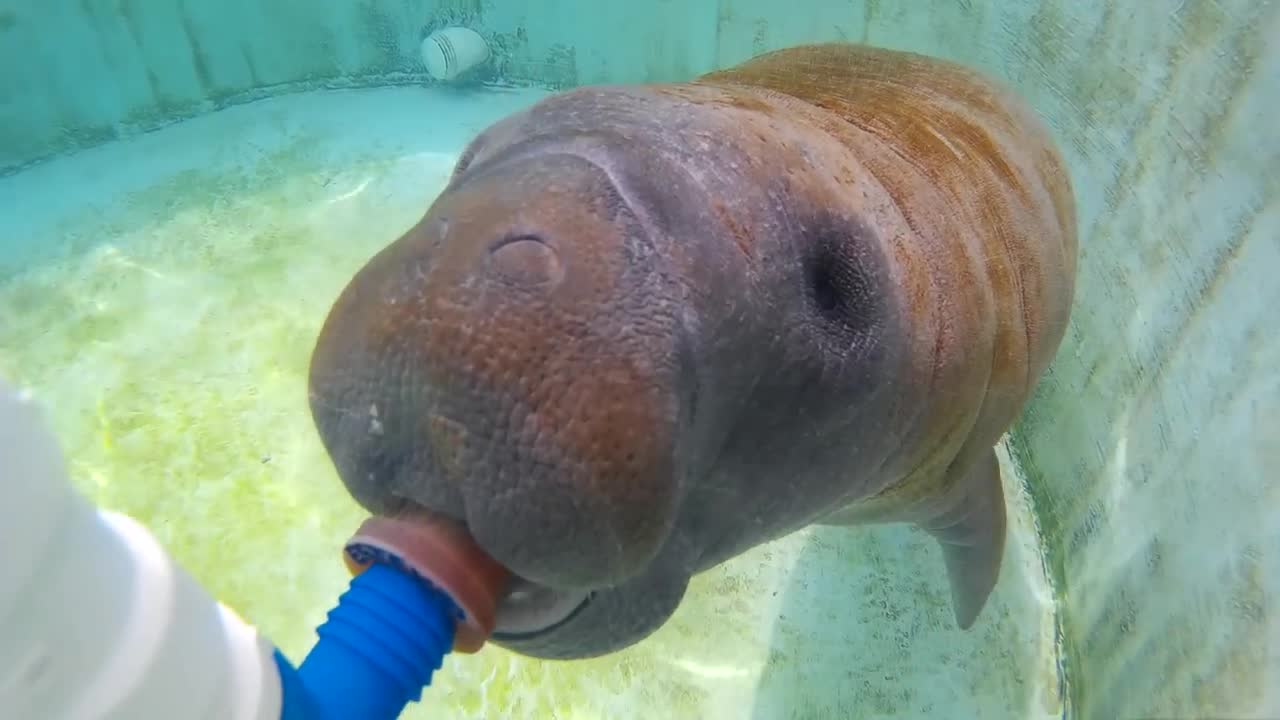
(971, 531)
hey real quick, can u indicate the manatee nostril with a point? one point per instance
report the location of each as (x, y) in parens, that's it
(527, 260)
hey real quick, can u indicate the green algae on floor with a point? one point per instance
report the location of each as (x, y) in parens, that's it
(169, 338)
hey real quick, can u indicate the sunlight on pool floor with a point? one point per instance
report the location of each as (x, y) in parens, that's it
(167, 328)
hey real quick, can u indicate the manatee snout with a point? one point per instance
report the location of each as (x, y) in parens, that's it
(510, 362)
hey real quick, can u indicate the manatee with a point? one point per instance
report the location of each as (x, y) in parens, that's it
(645, 328)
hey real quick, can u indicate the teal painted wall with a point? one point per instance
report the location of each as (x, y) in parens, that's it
(81, 72)
(1151, 447)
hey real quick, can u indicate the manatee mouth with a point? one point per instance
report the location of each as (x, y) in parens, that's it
(525, 609)
(530, 609)
(495, 602)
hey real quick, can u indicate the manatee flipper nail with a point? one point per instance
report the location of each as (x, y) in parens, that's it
(972, 534)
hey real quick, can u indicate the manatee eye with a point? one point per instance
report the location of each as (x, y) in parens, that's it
(839, 287)
(468, 156)
(464, 161)
(822, 283)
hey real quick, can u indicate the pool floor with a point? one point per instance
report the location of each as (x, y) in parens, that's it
(162, 294)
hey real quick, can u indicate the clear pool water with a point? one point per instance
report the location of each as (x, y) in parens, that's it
(171, 342)
(186, 192)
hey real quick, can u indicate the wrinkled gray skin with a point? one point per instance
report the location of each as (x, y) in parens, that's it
(640, 332)
(756, 382)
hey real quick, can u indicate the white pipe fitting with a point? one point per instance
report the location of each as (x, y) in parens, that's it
(97, 621)
(449, 52)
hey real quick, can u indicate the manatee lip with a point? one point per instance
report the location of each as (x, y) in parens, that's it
(529, 609)
(525, 608)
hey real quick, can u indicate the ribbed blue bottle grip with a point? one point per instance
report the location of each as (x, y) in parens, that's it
(377, 650)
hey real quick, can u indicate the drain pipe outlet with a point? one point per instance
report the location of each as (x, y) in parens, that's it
(450, 52)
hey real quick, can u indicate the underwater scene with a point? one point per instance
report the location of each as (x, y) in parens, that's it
(198, 199)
